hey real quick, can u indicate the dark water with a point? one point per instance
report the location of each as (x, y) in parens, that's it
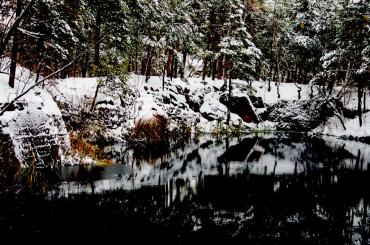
(269, 189)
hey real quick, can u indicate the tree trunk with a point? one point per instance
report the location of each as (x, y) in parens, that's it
(95, 96)
(210, 68)
(214, 70)
(148, 67)
(182, 67)
(13, 64)
(270, 78)
(283, 76)
(169, 63)
(172, 65)
(40, 57)
(85, 64)
(288, 79)
(136, 59)
(365, 96)
(97, 38)
(229, 101)
(360, 93)
(330, 85)
(220, 67)
(175, 71)
(204, 70)
(258, 70)
(163, 76)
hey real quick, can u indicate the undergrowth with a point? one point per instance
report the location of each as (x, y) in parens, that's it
(152, 138)
(81, 147)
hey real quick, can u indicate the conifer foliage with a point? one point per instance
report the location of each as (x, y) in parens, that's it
(324, 43)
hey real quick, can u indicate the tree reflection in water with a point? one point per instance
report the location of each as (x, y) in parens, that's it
(270, 189)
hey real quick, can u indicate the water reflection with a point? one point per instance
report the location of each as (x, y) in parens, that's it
(273, 155)
(257, 188)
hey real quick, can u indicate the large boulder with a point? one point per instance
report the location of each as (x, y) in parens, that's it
(36, 130)
(302, 115)
(242, 105)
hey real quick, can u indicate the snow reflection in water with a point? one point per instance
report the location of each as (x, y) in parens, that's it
(274, 189)
(274, 155)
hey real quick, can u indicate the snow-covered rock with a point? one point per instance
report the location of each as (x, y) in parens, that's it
(192, 102)
(303, 115)
(353, 129)
(34, 124)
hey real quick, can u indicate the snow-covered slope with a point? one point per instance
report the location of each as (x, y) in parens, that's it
(192, 102)
(35, 118)
(334, 127)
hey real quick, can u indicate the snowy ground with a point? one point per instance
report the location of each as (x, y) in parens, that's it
(193, 102)
(149, 99)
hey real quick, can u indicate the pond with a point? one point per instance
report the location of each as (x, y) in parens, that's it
(252, 189)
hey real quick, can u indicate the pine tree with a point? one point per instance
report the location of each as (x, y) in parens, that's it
(236, 46)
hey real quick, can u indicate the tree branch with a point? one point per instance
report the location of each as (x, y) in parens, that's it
(3, 110)
(13, 28)
(37, 83)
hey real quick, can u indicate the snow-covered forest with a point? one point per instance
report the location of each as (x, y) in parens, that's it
(232, 121)
(152, 72)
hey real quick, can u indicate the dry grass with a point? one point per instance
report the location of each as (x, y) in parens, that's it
(9, 166)
(150, 134)
(151, 139)
(83, 148)
(80, 145)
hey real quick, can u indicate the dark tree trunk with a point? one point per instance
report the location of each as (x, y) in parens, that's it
(136, 59)
(229, 101)
(365, 96)
(288, 79)
(13, 64)
(85, 63)
(148, 67)
(164, 75)
(182, 67)
(294, 75)
(169, 63)
(97, 38)
(276, 75)
(220, 67)
(214, 70)
(300, 77)
(270, 78)
(283, 76)
(210, 68)
(95, 96)
(204, 70)
(330, 85)
(360, 93)
(40, 57)
(172, 65)
(258, 70)
(175, 69)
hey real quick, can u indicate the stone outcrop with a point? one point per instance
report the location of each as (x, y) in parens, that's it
(33, 136)
(302, 115)
(244, 106)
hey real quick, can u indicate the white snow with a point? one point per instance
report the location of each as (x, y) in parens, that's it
(41, 115)
(146, 100)
(333, 127)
